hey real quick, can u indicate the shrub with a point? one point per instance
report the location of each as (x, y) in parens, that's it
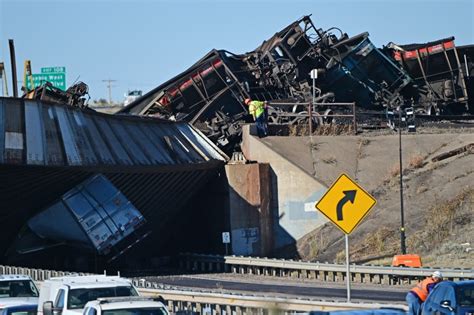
(416, 161)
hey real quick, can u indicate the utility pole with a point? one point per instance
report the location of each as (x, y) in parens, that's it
(109, 86)
(409, 119)
(402, 215)
(13, 64)
(3, 76)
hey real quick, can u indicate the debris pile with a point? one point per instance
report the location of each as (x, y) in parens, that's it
(73, 96)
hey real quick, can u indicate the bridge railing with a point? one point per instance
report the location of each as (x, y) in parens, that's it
(214, 303)
(315, 270)
(36, 274)
(312, 114)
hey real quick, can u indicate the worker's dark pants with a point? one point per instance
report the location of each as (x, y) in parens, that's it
(414, 304)
(262, 128)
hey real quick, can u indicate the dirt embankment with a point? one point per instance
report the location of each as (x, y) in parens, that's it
(438, 191)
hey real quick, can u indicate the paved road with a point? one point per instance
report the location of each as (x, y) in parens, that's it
(315, 290)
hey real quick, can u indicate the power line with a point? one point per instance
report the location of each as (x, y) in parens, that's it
(109, 86)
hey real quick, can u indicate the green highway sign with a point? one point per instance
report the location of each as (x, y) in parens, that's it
(55, 75)
(53, 70)
(57, 80)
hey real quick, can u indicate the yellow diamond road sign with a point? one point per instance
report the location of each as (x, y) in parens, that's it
(346, 203)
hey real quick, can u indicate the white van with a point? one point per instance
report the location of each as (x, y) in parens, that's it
(68, 295)
(17, 290)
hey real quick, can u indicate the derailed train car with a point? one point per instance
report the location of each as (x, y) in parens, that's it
(442, 74)
(210, 93)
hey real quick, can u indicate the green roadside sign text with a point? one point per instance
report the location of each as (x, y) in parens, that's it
(58, 79)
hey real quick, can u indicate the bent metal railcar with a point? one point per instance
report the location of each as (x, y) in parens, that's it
(210, 93)
(442, 73)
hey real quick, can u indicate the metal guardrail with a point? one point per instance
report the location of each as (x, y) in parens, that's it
(315, 270)
(37, 274)
(214, 303)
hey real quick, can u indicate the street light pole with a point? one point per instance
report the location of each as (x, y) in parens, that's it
(314, 75)
(402, 228)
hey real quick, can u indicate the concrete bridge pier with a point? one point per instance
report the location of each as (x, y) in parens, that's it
(251, 222)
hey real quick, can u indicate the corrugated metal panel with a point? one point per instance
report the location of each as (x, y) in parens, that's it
(82, 140)
(39, 133)
(54, 152)
(146, 144)
(69, 141)
(127, 138)
(161, 154)
(176, 147)
(191, 152)
(97, 143)
(2, 131)
(198, 139)
(158, 134)
(188, 151)
(121, 156)
(14, 142)
(34, 134)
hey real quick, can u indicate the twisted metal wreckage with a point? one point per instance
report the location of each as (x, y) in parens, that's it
(432, 78)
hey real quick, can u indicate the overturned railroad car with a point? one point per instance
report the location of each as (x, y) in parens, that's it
(210, 93)
(359, 72)
(442, 73)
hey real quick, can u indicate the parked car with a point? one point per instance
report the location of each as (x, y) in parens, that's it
(23, 309)
(131, 305)
(450, 297)
(71, 293)
(17, 290)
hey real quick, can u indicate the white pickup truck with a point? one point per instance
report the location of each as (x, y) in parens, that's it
(17, 290)
(68, 295)
(132, 305)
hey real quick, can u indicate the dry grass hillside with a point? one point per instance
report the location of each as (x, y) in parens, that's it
(438, 177)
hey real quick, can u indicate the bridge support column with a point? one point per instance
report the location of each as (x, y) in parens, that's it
(251, 222)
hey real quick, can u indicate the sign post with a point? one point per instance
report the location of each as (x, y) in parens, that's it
(348, 269)
(226, 241)
(346, 204)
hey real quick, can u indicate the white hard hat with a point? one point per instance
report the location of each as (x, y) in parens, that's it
(437, 274)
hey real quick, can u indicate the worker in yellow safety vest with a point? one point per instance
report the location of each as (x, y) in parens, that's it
(419, 293)
(258, 110)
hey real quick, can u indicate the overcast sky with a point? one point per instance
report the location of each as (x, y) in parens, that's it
(143, 43)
